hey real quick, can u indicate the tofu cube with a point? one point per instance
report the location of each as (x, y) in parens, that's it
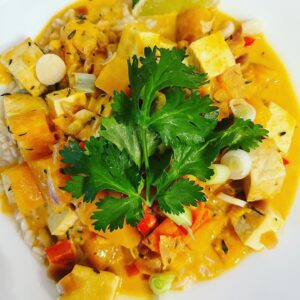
(212, 54)
(281, 127)
(85, 284)
(59, 101)
(60, 222)
(251, 225)
(21, 62)
(267, 172)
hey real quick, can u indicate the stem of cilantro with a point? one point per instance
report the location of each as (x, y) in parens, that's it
(147, 165)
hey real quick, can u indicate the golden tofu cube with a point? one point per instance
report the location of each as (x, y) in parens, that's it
(60, 222)
(251, 225)
(59, 101)
(21, 62)
(212, 54)
(281, 127)
(85, 284)
(267, 172)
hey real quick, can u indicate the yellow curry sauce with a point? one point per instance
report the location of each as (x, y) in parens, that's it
(203, 253)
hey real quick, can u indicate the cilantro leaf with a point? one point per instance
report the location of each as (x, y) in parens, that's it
(124, 137)
(189, 119)
(113, 212)
(181, 193)
(103, 167)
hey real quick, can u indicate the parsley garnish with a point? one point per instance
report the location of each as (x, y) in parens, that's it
(143, 153)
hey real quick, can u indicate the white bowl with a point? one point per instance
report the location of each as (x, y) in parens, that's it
(271, 275)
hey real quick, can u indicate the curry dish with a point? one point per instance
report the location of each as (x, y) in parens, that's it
(145, 147)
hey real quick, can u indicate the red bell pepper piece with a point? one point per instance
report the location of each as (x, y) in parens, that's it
(200, 215)
(132, 270)
(285, 161)
(148, 222)
(82, 146)
(249, 41)
(61, 253)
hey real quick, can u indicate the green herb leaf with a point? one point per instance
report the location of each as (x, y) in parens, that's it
(113, 212)
(135, 2)
(181, 193)
(189, 119)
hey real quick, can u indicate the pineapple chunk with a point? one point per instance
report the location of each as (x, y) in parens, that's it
(281, 127)
(134, 41)
(59, 101)
(21, 61)
(212, 54)
(60, 222)
(19, 104)
(24, 188)
(84, 284)
(114, 76)
(165, 25)
(267, 173)
(251, 225)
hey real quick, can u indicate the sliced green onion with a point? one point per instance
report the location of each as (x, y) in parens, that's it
(161, 283)
(239, 163)
(84, 82)
(242, 109)
(221, 174)
(184, 219)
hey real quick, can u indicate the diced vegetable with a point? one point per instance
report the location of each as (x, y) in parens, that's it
(183, 219)
(50, 69)
(84, 82)
(228, 29)
(242, 109)
(212, 54)
(21, 62)
(201, 215)
(84, 283)
(250, 225)
(19, 104)
(61, 253)
(232, 200)
(161, 283)
(25, 190)
(60, 222)
(239, 163)
(194, 23)
(134, 41)
(281, 127)
(267, 172)
(100, 252)
(249, 41)
(221, 174)
(114, 76)
(132, 270)
(27, 129)
(148, 222)
(58, 100)
(166, 228)
(252, 27)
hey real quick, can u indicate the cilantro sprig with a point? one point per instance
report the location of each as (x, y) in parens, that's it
(144, 153)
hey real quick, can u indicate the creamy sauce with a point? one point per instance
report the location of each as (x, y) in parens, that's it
(203, 263)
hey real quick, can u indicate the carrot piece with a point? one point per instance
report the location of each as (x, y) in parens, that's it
(148, 222)
(200, 215)
(61, 253)
(132, 270)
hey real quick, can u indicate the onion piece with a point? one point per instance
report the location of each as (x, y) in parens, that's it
(221, 174)
(231, 200)
(239, 163)
(84, 82)
(252, 27)
(228, 29)
(242, 109)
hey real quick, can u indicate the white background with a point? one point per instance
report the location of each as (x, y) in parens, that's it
(272, 275)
